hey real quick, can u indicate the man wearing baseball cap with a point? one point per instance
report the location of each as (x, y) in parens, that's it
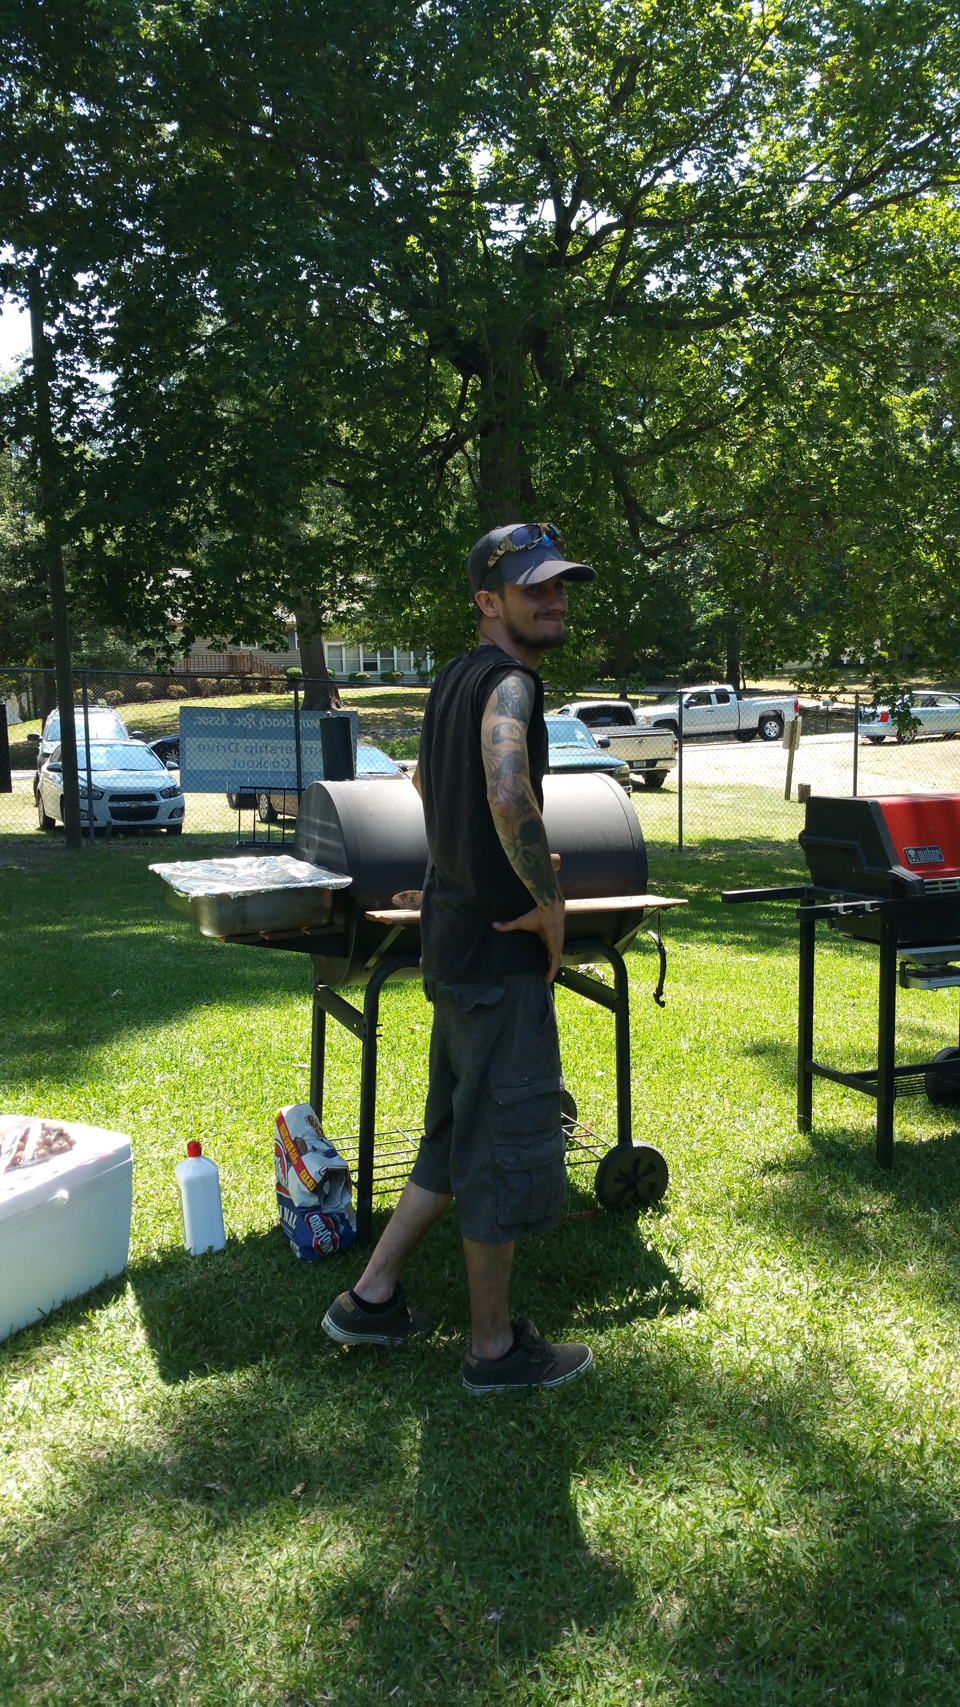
(492, 932)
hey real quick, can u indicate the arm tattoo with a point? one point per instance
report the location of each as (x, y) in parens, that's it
(503, 743)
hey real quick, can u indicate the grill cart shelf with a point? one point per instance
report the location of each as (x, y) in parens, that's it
(628, 1175)
(359, 851)
(887, 872)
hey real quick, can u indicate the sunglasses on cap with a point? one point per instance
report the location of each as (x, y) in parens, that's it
(522, 538)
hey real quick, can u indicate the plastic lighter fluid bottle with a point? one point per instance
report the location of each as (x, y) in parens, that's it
(199, 1181)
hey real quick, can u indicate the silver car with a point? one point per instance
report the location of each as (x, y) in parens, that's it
(104, 725)
(937, 712)
(128, 785)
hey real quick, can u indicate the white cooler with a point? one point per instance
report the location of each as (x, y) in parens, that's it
(64, 1224)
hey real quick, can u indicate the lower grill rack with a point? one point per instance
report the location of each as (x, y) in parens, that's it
(938, 1080)
(625, 1178)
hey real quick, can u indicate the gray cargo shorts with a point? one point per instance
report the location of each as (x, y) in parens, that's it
(492, 1125)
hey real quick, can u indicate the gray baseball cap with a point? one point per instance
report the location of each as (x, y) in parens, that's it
(522, 555)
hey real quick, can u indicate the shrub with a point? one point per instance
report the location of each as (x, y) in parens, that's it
(207, 686)
(391, 676)
(176, 690)
(114, 696)
(231, 685)
(358, 676)
(142, 691)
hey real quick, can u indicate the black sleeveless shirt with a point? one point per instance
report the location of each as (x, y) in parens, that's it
(472, 882)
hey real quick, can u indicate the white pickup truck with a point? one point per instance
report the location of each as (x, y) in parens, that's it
(720, 710)
(650, 753)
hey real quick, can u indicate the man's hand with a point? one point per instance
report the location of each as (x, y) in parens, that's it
(516, 815)
(547, 923)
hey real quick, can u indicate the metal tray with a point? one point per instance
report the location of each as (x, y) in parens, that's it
(243, 896)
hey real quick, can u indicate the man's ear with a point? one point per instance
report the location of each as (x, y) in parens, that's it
(489, 603)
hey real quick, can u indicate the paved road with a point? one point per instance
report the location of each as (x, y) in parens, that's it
(826, 762)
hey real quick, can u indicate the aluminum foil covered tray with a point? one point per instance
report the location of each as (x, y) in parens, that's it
(243, 896)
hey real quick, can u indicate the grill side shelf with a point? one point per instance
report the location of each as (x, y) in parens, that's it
(599, 904)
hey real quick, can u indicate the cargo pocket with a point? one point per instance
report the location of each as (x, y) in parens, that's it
(471, 996)
(529, 1147)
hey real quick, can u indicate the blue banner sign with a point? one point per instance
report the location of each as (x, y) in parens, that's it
(222, 750)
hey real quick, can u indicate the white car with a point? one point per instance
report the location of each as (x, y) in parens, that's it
(104, 725)
(129, 786)
(938, 713)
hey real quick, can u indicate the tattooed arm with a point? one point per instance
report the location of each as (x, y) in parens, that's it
(516, 815)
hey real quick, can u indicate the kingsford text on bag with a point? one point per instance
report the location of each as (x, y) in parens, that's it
(314, 1194)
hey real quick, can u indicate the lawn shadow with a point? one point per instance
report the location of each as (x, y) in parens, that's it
(834, 1202)
(254, 1303)
(251, 1303)
(44, 1335)
(386, 1535)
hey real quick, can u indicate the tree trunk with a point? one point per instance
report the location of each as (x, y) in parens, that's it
(506, 488)
(319, 688)
(53, 550)
(734, 670)
(45, 692)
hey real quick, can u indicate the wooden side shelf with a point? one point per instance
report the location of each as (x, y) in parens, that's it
(598, 904)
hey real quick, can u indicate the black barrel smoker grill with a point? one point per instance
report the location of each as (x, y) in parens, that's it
(884, 870)
(361, 845)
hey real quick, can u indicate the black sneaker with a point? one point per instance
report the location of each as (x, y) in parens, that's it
(348, 1324)
(533, 1362)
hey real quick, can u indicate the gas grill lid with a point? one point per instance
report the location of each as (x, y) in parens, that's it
(891, 845)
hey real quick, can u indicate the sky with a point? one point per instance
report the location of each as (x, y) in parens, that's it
(14, 336)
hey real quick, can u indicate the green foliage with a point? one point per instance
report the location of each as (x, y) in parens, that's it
(680, 278)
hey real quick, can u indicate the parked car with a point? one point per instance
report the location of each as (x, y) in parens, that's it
(574, 748)
(167, 749)
(937, 712)
(719, 710)
(129, 785)
(283, 803)
(103, 724)
(650, 753)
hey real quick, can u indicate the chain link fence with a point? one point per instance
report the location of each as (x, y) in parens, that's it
(721, 790)
(146, 707)
(724, 789)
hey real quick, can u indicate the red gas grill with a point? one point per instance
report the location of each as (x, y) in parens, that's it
(887, 871)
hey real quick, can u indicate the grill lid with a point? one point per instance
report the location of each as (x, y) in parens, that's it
(898, 844)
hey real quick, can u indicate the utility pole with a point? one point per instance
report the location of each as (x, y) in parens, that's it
(48, 460)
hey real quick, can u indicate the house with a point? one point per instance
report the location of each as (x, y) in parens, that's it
(343, 657)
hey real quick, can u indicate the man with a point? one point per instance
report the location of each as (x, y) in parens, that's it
(492, 931)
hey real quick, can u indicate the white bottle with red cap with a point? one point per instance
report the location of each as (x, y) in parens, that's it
(199, 1181)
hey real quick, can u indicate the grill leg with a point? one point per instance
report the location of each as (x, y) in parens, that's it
(808, 940)
(621, 1020)
(368, 1111)
(318, 1052)
(368, 1091)
(886, 1040)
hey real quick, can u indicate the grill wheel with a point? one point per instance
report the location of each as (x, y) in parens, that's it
(943, 1087)
(631, 1177)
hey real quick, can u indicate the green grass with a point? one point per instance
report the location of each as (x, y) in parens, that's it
(753, 1499)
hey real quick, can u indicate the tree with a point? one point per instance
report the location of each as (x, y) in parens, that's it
(435, 267)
